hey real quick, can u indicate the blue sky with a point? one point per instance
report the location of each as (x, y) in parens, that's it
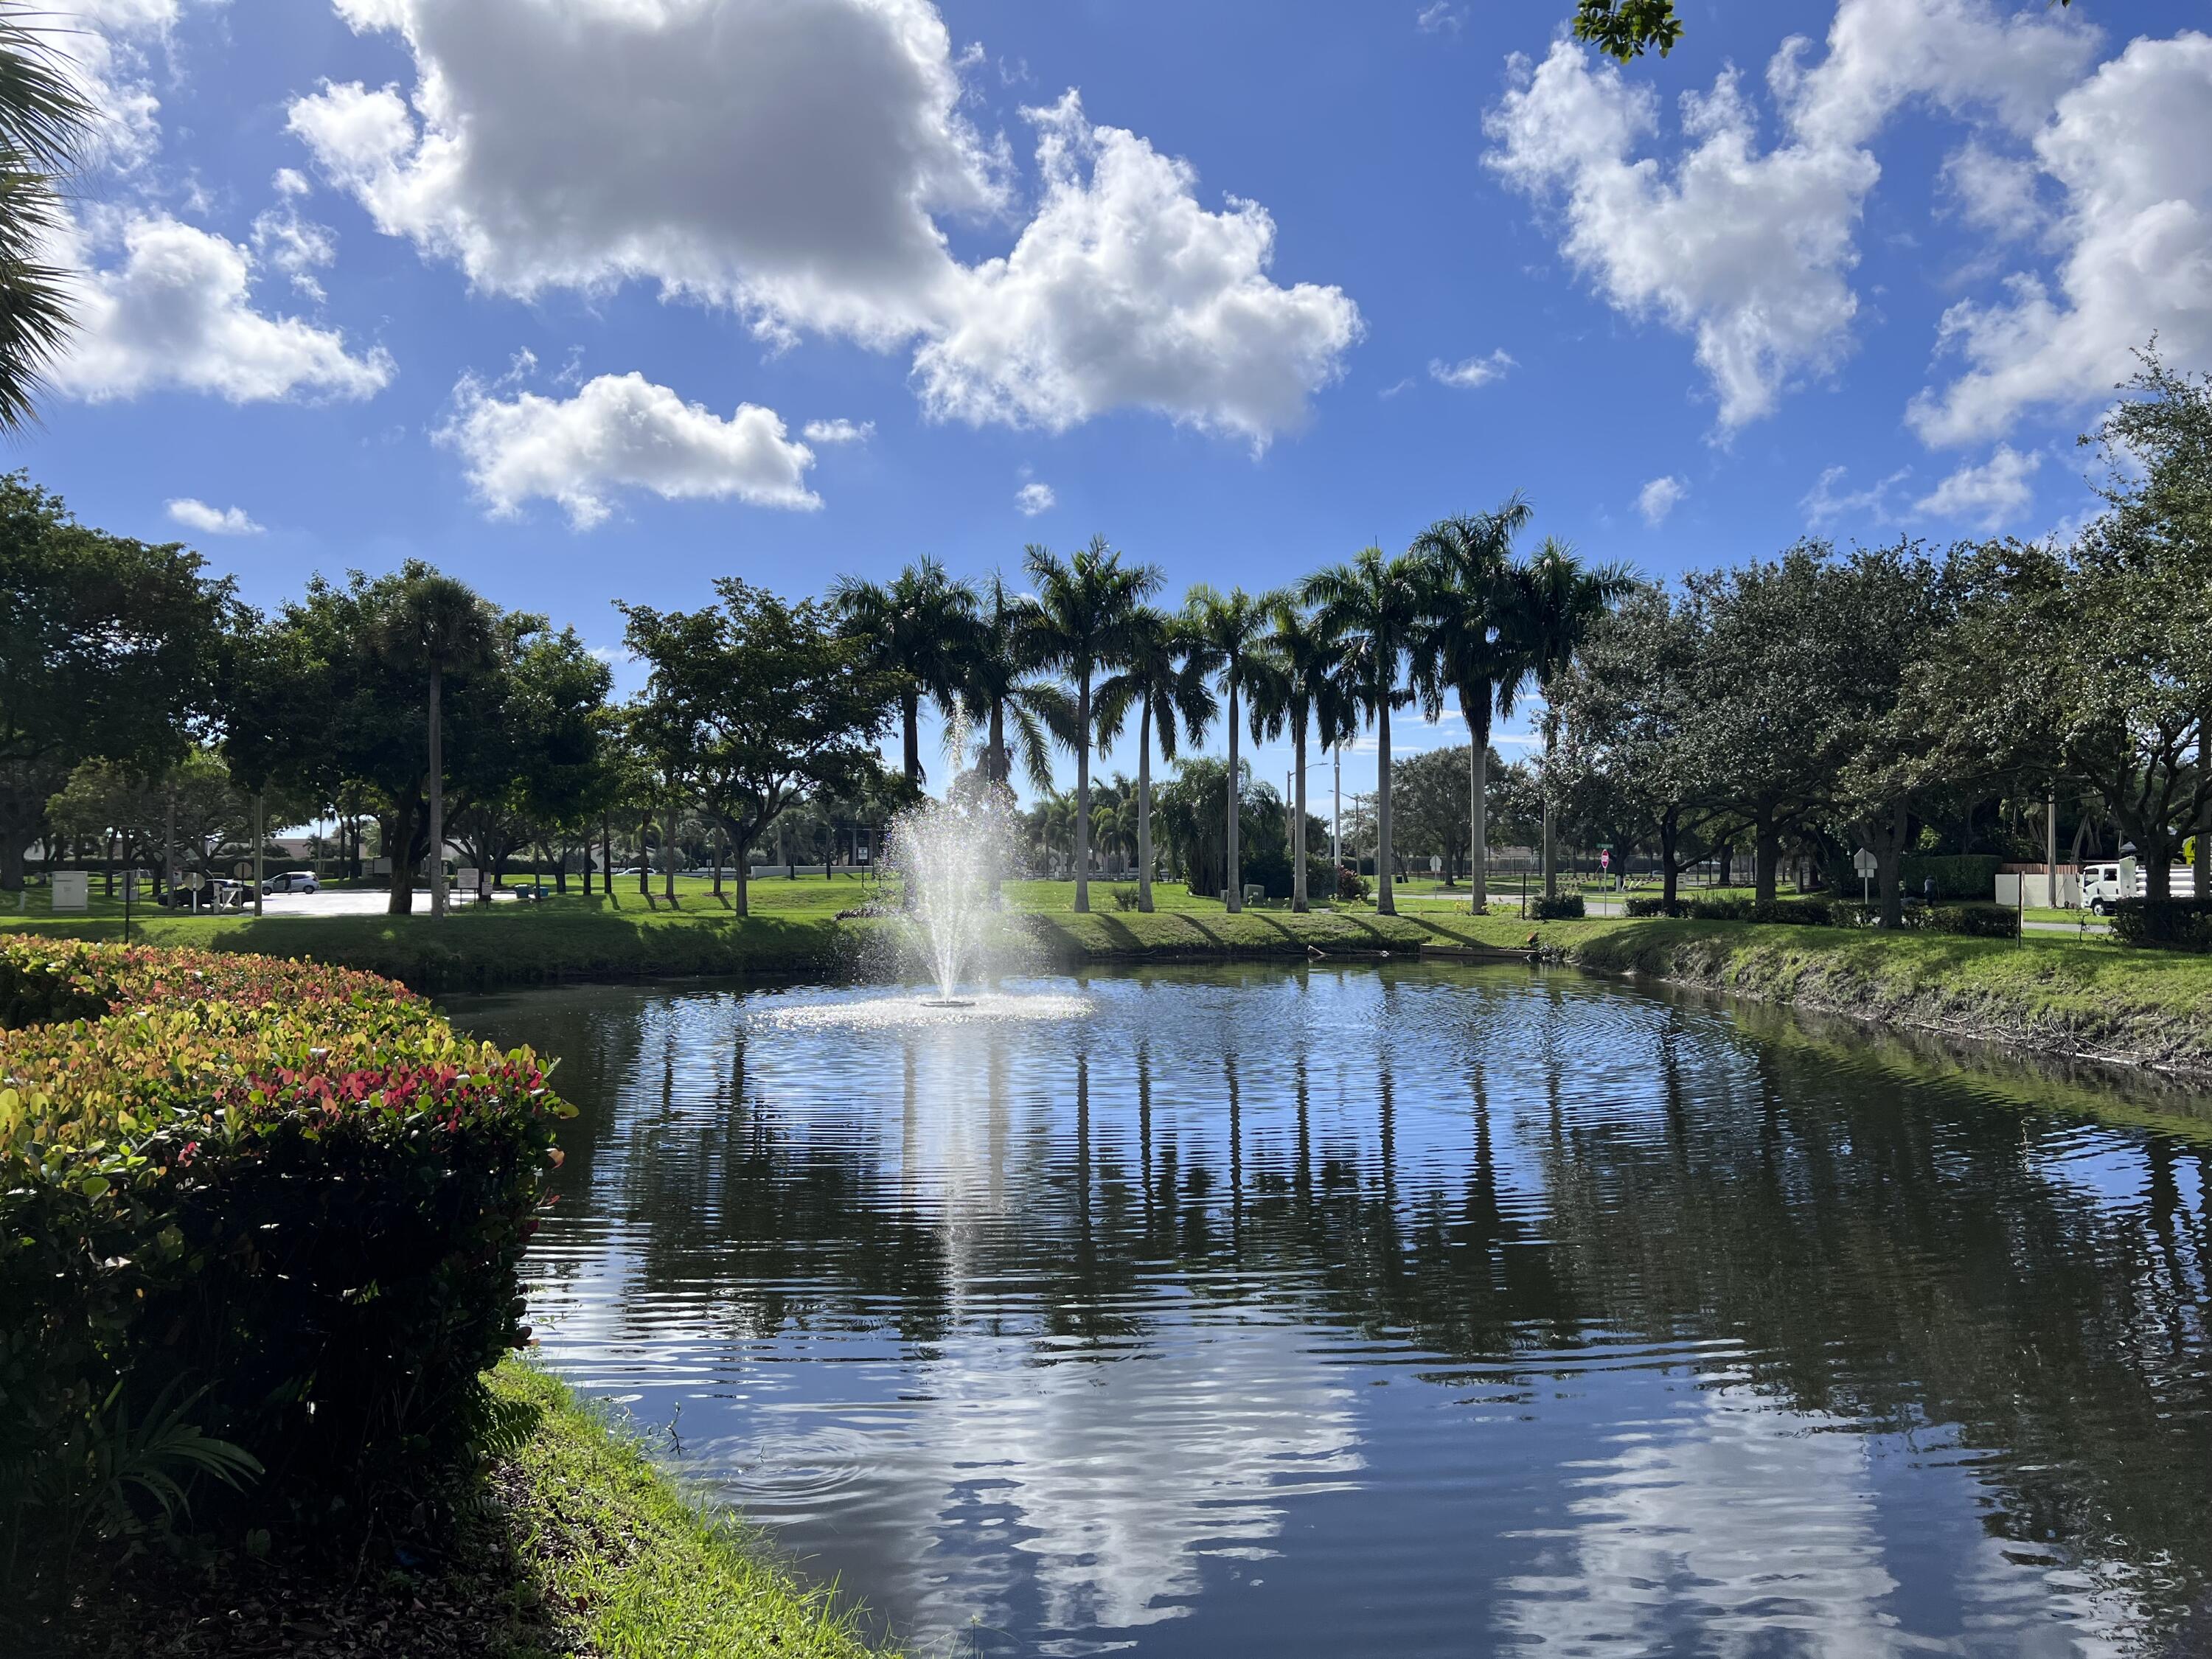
(488, 281)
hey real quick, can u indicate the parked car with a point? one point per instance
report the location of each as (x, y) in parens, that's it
(292, 881)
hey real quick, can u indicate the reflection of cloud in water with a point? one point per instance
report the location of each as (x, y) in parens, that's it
(1101, 1483)
(1753, 1529)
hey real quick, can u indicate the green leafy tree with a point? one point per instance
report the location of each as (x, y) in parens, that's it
(1162, 676)
(1373, 607)
(1625, 29)
(1078, 624)
(441, 628)
(1463, 649)
(109, 648)
(918, 631)
(1228, 634)
(761, 703)
(1629, 713)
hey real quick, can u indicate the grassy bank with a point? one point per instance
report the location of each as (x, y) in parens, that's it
(575, 1548)
(2051, 992)
(2092, 1000)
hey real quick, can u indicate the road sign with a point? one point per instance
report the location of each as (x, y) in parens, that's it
(1605, 858)
(195, 881)
(1863, 862)
(67, 892)
(243, 869)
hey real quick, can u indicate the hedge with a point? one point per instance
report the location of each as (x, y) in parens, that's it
(260, 1228)
(1974, 921)
(1969, 876)
(2173, 924)
(1567, 906)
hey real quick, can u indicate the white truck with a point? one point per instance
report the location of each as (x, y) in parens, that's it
(2104, 884)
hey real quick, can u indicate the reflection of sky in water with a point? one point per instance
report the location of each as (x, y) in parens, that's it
(1329, 1313)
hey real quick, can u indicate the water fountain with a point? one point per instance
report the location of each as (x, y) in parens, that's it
(948, 857)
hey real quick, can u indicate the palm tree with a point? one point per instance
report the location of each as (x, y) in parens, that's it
(1373, 607)
(442, 627)
(1000, 693)
(44, 121)
(1296, 686)
(919, 629)
(1549, 604)
(1078, 623)
(1228, 631)
(1462, 649)
(1164, 680)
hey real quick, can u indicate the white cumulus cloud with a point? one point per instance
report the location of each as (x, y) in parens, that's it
(1987, 495)
(1471, 372)
(621, 432)
(1748, 247)
(794, 162)
(195, 514)
(2130, 151)
(1035, 498)
(176, 313)
(1658, 498)
(838, 432)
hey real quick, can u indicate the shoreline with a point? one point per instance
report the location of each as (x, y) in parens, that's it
(2132, 1010)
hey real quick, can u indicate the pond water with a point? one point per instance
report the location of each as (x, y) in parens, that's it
(1424, 1309)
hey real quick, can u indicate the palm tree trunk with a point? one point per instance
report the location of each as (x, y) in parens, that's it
(1299, 821)
(1478, 806)
(260, 839)
(910, 722)
(1083, 794)
(741, 867)
(1236, 891)
(1550, 863)
(668, 859)
(1144, 809)
(1385, 904)
(437, 798)
(999, 767)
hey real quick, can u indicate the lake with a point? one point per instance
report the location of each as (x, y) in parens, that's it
(1409, 1310)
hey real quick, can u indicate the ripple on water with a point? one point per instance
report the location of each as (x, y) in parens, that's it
(1417, 1310)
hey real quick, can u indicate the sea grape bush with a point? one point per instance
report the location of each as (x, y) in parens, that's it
(290, 1193)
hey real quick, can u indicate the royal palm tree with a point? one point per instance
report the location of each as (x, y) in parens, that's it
(440, 626)
(1550, 604)
(1229, 629)
(1373, 607)
(1078, 624)
(1463, 648)
(44, 121)
(1164, 681)
(1296, 686)
(920, 629)
(1001, 695)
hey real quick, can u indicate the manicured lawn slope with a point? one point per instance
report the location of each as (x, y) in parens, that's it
(2095, 999)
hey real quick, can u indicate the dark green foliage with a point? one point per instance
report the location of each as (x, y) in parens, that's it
(2169, 924)
(1974, 921)
(1567, 907)
(1956, 875)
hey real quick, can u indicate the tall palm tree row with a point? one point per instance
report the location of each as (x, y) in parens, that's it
(1079, 623)
(1001, 692)
(440, 626)
(1296, 686)
(1227, 632)
(1550, 604)
(1375, 607)
(1464, 649)
(921, 629)
(1164, 679)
